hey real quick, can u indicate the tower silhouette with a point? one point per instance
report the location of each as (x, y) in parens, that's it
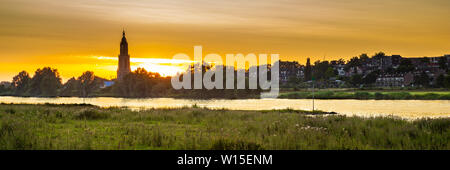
(124, 59)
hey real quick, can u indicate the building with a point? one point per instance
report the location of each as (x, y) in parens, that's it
(290, 69)
(124, 59)
(384, 62)
(395, 80)
(107, 84)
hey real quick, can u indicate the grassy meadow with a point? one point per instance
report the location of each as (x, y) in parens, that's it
(73, 127)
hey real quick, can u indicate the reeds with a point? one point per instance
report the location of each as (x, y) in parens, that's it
(89, 127)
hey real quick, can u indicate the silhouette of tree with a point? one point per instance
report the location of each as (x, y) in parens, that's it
(323, 70)
(341, 61)
(353, 63)
(422, 80)
(356, 80)
(308, 72)
(371, 78)
(405, 66)
(87, 83)
(21, 83)
(440, 81)
(3, 89)
(364, 58)
(71, 88)
(443, 63)
(379, 55)
(45, 82)
(137, 84)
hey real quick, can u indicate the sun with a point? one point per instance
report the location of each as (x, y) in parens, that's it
(165, 67)
(163, 70)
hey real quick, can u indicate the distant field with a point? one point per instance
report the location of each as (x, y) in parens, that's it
(90, 127)
(427, 92)
(367, 94)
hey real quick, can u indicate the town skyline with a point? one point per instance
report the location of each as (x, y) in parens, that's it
(78, 36)
(165, 67)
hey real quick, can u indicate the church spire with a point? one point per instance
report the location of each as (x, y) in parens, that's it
(124, 58)
(124, 44)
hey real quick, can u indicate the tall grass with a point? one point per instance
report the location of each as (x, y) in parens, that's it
(90, 127)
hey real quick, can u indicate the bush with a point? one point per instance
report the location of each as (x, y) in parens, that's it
(91, 114)
(379, 96)
(428, 96)
(400, 95)
(444, 97)
(10, 111)
(324, 95)
(362, 95)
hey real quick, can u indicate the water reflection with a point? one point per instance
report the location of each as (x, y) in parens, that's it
(401, 108)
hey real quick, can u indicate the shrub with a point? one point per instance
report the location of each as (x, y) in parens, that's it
(10, 111)
(429, 96)
(324, 95)
(444, 97)
(400, 95)
(379, 96)
(362, 95)
(91, 114)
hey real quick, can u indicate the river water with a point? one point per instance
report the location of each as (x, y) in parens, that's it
(409, 109)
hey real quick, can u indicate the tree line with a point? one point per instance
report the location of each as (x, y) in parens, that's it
(46, 82)
(322, 71)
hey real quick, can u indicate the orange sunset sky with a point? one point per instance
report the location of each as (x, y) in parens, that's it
(78, 35)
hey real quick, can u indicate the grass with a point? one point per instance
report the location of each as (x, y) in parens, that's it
(377, 95)
(76, 127)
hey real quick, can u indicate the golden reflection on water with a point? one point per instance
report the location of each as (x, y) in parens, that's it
(410, 109)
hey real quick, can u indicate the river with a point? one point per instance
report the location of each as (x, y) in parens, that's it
(410, 109)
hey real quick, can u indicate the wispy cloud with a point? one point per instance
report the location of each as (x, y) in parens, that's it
(148, 60)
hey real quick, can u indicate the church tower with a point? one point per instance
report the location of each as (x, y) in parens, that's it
(124, 59)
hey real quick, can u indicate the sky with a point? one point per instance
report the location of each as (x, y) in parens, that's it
(78, 35)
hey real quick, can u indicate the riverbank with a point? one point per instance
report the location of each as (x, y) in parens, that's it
(368, 95)
(91, 127)
(356, 94)
(409, 109)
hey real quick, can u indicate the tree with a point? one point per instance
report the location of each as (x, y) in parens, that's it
(364, 58)
(443, 63)
(356, 80)
(137, 84)
(341, 61)
(71, 88)
(87, 83)
(353, 63)
(293, 80)
(405, 66)
(422, 80)
(440, 81)
(379, 55)
(45, 82)
(308, 72)
(3, 89)
(447, 81)
(21, 83)
(330, 73)
(371, 78)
